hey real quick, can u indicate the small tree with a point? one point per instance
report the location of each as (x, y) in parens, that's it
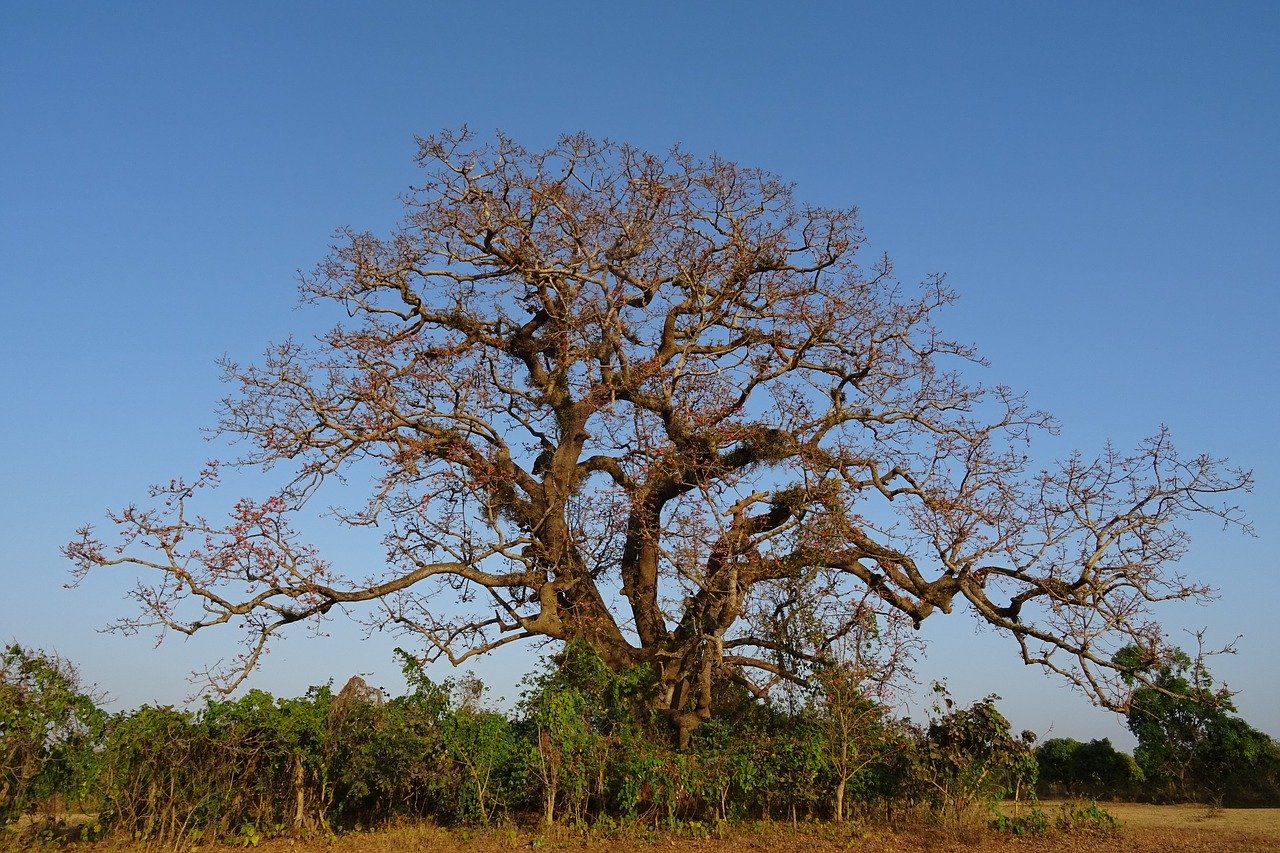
(566, 752)
(589, 735)
(853, 724)
(852, 691)
(731, 760)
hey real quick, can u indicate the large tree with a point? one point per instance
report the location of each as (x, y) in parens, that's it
(654, 403)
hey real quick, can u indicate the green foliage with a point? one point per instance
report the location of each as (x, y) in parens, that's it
(484, 752)
(643, 777)
(1034, 822)
(159, 775)
(1239, 765)
(1069, 768)
(853, 732)
(247, 769)
(800, 760)
(969, 759)
(584, 750)
(238, 769)
(593, 745)
(732, 764)
(566, 752)
(1189, 745)
(49, 729)
(1075, 817)
(1085, 817)
(381, 758)
(1056, 761)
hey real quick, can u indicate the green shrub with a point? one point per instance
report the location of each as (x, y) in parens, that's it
(1034, 822)
(1086, 817)
(49, 731)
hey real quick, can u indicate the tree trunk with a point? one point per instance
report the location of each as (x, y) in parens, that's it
(549, 805)
(300, 796)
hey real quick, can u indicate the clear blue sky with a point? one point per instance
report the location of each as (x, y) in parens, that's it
(1101, 182)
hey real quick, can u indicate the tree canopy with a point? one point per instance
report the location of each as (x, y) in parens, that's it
(655, 403)
(1189, 744)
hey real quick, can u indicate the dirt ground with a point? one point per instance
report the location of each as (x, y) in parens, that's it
(1143, 829)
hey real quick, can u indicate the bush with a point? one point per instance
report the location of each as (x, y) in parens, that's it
(968, 760)
(1034, 822)
(585, 748)
(1085, 817)
(49, 729)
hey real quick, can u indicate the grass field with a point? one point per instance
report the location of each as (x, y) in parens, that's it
(1143, 829)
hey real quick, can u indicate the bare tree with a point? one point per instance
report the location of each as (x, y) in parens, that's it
(654, 403)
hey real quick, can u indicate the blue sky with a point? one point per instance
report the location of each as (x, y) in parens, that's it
(1100, 182)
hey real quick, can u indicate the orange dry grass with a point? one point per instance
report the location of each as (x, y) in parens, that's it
(1192, 827)
(1145, 829)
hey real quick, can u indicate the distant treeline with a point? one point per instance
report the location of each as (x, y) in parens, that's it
(580, 748)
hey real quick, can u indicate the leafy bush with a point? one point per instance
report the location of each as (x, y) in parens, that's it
(585, 749)
(1085, 817)
(968, 759)
(49, 729)
(1034, 822)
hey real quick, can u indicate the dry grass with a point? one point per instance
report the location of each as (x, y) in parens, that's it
(1145, 829)
(1197, 828)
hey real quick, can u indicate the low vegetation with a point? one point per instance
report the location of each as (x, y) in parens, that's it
(581, 754)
